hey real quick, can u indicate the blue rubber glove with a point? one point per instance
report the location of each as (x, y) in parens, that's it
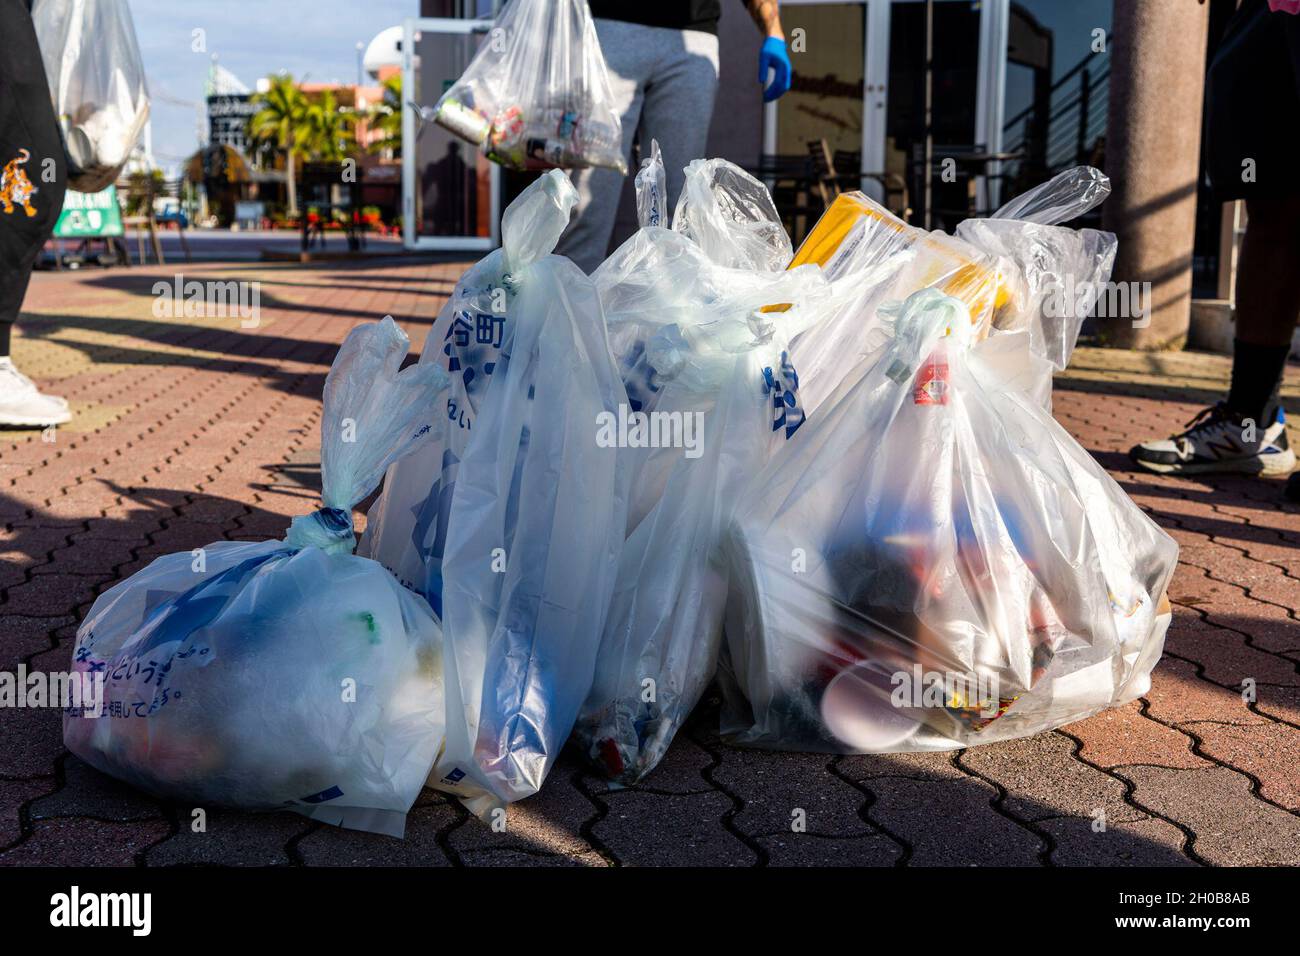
(772, 57)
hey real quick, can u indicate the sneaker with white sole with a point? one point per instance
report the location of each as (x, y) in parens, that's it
(21, 403)
(1220, 440)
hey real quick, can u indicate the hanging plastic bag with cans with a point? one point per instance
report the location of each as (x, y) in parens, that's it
(97, 82)
(941, 564)
(285, 674)
(537, 94)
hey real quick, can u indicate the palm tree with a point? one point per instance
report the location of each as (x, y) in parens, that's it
(386, 118)
(326, 132)
(279, 120)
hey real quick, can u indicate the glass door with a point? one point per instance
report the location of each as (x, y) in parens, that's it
(826, 100)
(860, 85)
(449, 188)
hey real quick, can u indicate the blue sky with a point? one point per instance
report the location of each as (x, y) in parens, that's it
(315, 39)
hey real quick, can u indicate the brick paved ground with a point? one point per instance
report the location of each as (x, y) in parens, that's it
(192, 430)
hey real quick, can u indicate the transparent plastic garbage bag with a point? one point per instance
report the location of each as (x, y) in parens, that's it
(406, 528)
(939, 564)
(282, 674)
(662, 281)
(731, 216)
(715, 395)
(97, 82)
(1067, 195)
(537, 95)
(1021, 270)
(1060, 273)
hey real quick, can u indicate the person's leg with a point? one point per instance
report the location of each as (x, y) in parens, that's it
(1268, 304)
(32, 178)
(587, 238)
(1246, 126)
(1247, 432)
(679, 101)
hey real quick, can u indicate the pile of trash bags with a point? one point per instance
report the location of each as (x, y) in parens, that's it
(97, 83)
(828, 479)
(536, 94)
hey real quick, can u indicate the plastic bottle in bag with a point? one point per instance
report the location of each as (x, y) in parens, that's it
(283, 674)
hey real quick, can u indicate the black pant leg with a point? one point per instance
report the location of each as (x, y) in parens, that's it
(31, 154)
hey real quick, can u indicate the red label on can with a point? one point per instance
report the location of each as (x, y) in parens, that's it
(932, 382)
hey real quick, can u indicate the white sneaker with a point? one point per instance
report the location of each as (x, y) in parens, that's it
(21, 403)
(1219, 440)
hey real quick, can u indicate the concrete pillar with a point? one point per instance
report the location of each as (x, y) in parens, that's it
(1157, 80)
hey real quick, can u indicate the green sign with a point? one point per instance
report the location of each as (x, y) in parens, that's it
(90, 215)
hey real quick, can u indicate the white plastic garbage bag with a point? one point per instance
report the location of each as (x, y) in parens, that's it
(97, 82)
(515, 527)
(1018, 271)
(537, 95)
(406, 528)
(1067, 195)
(939, 564)
(870, 256)
(282, 674)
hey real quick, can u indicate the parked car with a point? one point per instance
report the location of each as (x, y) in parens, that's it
(168, 210)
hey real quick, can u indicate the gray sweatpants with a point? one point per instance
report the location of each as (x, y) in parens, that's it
(664, 82)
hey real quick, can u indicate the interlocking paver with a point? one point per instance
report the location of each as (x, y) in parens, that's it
(1269, 752)
(1178, 695)
(1216, 804)
(13, 795)
(189, 431)
(330, 846)
(88, 793)
(548, 825)
(82, 841)
(214, 836)
(1145, 842)
(951, 823)
(1043, 780)
(784, 790)
(650, 829)
(1123, 736)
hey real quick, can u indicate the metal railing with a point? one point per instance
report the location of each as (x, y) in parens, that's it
(1075, 120)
